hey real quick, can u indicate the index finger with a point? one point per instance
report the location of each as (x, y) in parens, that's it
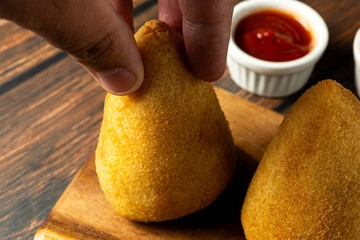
(206, 31)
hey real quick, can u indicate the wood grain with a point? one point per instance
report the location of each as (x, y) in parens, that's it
(252, 126)
(50, 111)
(50, 114)
(83, 212)
(20, 51)
(50, 131)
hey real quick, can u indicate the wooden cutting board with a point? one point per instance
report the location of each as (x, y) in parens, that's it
(84, 213)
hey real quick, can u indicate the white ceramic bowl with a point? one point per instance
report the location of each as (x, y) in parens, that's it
(276, 79)
(356, 50)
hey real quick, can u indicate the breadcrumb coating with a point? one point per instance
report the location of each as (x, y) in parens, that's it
(166, 150)
(307, 185)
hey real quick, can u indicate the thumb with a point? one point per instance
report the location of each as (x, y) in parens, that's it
(92, 32)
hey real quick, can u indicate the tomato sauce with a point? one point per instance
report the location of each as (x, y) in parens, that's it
(273, 36)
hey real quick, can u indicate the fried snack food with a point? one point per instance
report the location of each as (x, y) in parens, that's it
(165, 151)
(307, 185)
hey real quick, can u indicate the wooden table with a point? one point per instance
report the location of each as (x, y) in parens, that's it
(51, 110)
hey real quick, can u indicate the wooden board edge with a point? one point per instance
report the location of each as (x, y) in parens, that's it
(45, 233)
(266, 119)
(40, 233)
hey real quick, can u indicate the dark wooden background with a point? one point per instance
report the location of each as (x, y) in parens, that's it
(51, 110)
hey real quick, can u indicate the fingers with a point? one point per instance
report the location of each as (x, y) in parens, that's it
(125, 9)
(90, 31)
(169, 12)
(206, 31)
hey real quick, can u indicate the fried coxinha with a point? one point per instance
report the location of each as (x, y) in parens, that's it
(165, 151)
(307, 185)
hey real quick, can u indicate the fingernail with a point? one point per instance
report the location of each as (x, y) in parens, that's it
(119, 81)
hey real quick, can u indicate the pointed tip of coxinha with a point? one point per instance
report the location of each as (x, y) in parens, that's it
(330, 89)
(166, 150)
(307, 185)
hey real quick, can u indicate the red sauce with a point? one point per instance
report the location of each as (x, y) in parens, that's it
(273, 36)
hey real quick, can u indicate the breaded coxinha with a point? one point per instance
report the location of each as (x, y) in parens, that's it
(165, 151)
(307, 185)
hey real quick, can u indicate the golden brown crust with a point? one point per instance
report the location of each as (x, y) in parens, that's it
(307, 185)
(165, 151)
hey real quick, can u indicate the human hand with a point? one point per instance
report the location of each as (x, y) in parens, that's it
(99, 35)
(205, 25)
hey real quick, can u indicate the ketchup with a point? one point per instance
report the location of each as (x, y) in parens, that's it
(273, 36)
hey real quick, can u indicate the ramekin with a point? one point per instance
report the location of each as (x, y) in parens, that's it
(276, 79)
(356, 51)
